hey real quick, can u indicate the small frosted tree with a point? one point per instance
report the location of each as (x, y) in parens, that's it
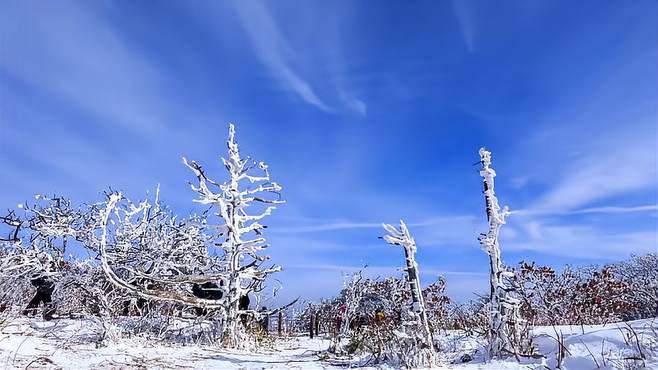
(505, 334)
(149, 254)
(403, 238)
(352, 294)
(248, 186)
(35, 247)
(146, 251)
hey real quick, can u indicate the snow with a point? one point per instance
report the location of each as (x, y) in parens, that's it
(70, 344)
(594, 346)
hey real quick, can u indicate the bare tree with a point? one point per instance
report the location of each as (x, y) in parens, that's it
(403, 238)
(505, 334)
(241, 232)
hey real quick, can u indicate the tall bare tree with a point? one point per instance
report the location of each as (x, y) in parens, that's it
(248, 187)
(505, 336)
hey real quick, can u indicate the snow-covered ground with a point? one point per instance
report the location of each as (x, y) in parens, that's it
(624, 345)
(70, 344)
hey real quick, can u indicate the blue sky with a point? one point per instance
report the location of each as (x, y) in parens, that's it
(366, 112)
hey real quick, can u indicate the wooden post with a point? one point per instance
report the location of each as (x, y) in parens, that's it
(311, 325)
(279, 323)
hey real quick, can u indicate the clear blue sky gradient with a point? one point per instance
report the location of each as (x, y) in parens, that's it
(366, 112)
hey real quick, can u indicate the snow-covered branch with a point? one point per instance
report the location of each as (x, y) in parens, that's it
(148, 253)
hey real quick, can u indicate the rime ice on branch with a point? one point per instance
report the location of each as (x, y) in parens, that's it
(504, 334)
(147, 251)
(50, 223)
(242, 233)
(403, 238)
(150, 253)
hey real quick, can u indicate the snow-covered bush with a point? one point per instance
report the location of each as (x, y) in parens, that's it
(582, 295)
(32, 255)
(640, 274)
(600, 297)
(376, 318)
(385, 326)
(437, 305)
(23, 271)
(35, 270)
(152, 262)
(388, 319)
(83, 291)
(471, 317)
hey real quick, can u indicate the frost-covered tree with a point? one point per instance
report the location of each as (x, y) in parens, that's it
(27, 277)
(248, 188)
(352, 294)
(33, 251)
(402, 237)
(150, 253)
(505, 330)
(376, 319)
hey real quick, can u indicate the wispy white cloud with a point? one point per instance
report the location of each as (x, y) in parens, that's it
(69, 51)
(466, 21)
(603, 209)
(614, 162)
(313, 74)
(601, 175)
(646, 208)
(593, 154)
(347, 224)
(352, 103)
(578, 240)
(342, 225)
(274, 50)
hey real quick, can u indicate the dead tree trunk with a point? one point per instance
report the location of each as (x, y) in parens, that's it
(403, 238)
(504, 321)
